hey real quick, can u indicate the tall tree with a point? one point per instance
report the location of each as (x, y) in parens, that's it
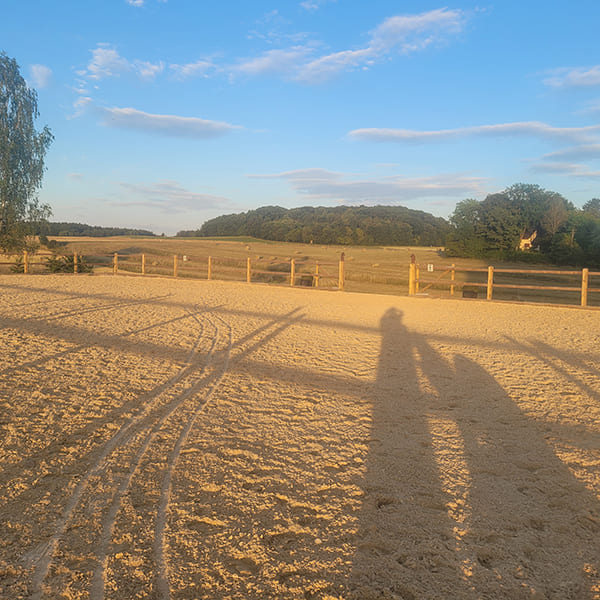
(22, 152)
(592, 208)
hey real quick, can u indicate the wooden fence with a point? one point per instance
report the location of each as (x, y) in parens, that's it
(293, 272)
(489, 282)
(446, 278)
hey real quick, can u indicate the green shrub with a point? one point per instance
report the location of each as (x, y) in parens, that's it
(65, 264)
(19, 266)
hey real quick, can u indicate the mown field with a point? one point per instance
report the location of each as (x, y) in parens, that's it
(367, 269)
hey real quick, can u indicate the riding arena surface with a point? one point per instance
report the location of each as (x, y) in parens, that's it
(173, 439)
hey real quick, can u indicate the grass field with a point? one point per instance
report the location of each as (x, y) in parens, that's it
(367, 269)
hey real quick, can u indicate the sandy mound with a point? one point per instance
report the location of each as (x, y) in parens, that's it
(186, 440)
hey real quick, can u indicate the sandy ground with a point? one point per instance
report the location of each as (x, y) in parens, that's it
(186, 440)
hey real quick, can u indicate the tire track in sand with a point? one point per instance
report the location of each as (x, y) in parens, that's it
(43, 557)
(162, 577)
(198, 381)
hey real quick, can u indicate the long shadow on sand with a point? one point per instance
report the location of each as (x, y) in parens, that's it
(464, 497)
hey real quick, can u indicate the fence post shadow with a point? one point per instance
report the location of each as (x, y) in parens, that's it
(463, 496)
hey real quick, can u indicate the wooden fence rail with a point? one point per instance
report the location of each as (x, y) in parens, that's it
(303, 273)
(415, 280)
(326, 274)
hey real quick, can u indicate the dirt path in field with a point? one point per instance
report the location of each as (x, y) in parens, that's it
(171, 439)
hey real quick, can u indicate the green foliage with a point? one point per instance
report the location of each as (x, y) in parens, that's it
(65, 264)
(22, 152)
(360, 225)
(494, 227)
(19, 265)
(81, 229)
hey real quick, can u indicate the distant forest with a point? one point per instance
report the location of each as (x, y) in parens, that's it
(81, 229)
(359, 225)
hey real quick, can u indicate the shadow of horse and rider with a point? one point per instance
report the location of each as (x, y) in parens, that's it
(464, 496)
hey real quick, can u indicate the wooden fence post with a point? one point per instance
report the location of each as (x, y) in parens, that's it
(317, 275)
(115, 263)
(490, 282)
(248, 271)
(342, 274)
(209, 270)
(452, 278)
(25, 262)
(585, 274)
(143, 264)
(175, 265)
(292, 271)
(412, 275)
(75, 269)
(417, 273)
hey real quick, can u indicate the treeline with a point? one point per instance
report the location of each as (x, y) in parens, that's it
(361, 225)
(557, 231)
(81, 229)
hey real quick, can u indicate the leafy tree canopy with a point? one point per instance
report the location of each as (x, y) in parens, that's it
(357, 225)
(22, 152)
(495, 226)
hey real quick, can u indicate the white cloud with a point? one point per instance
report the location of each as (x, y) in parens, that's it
(168, 125)
(198, 68)
(80, 105)
(106, 62)
(274, 61)
(320, 184)
(40, 76)
(403, 33)
(323, 68)
(135, 2)
(528, 129)
(148, 70)
(409, 33)
(574, 77)
(171, 197)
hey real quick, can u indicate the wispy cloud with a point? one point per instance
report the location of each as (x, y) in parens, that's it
(40, 76)
(170, 197)
(167, 125)
(314, 5)
(561, 168)
(582, 152)
(148, 70)
(107, 62)
(403, 34)
(284, 61)
(199, 68)
(520, 129)
(321, 184)
(273, 28)
(574, 77)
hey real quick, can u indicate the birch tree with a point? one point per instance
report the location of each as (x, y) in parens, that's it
(22, 152)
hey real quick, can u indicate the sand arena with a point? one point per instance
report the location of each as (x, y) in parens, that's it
(186, 440)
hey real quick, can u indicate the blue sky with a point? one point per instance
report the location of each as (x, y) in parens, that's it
(169, 112)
